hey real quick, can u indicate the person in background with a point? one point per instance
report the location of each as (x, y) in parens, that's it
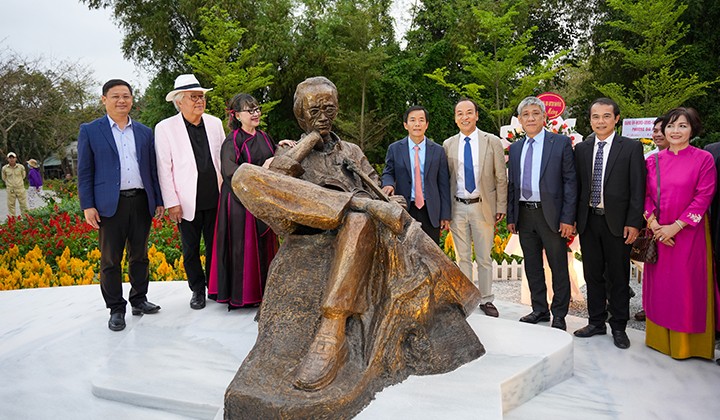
(679, 291)
(34, 194)
(188, 155)
(119, 194)
(13, 175)
(478, 183)
(417, 169)
(658, 137)
(244, 246)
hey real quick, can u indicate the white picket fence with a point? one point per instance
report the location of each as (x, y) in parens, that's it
(507, 271)
(514, 271)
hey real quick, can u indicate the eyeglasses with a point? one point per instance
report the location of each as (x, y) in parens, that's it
(253, 111)
(196, 97)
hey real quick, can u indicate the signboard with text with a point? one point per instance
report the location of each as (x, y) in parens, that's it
(554, 104)
(638, 128)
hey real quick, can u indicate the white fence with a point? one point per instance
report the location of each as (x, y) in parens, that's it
(514, 271)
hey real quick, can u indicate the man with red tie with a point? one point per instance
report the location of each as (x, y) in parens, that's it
(416, 168)
(478, 180)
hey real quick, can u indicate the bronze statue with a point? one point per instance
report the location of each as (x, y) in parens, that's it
(379, 306)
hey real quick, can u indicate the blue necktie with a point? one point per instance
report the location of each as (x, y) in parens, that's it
(597, 176)
(526, 185)
(468, 164)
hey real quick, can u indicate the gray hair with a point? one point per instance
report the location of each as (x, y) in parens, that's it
(530, 100)
(177, 98)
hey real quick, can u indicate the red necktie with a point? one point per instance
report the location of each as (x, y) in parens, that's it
(419, 199)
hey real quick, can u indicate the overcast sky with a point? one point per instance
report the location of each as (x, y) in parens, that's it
(65, 30)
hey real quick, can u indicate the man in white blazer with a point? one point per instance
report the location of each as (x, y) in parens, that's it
(188, 163)
(478, 184)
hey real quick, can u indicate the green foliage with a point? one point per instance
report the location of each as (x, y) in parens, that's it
(498, 66)
(224, 64)
(656, 46)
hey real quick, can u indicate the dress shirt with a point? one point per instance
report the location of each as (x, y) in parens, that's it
(421, 152)
(606, 152)
(125, 142)
(538, 145)
(460, 191)
(207, 189)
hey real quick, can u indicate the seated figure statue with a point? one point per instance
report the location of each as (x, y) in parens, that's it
(381, 268)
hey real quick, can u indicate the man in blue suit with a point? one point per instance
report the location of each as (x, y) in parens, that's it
(119, 194)
(542, 199)
(416, 168)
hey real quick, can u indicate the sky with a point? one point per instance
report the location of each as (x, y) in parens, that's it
(65, 30)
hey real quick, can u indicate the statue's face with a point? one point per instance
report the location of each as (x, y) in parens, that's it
(320, 108)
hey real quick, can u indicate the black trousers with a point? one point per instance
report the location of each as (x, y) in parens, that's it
(422, 216)
(128, 227)
(201, 227)
(606, 264)
(536, 235)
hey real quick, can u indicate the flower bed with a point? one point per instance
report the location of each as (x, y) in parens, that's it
(53, 246)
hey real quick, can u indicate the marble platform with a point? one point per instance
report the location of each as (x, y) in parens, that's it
(59, 360)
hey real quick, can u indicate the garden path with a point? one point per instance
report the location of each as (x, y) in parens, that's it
(3, 205)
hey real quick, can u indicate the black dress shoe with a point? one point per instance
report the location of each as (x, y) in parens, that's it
(559, 323)
(535, 317)
(117, 321)
(489, 309)
(590, 330)
(145, 308)
(620, 339)
(198, 300)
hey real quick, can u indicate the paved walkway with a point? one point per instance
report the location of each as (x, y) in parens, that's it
(3, 205)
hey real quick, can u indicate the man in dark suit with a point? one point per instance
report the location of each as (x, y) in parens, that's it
(542, 199)
(119, 193)
(714, 149)
(418, 158)
(611, 195)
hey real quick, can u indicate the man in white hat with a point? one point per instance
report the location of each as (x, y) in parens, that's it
(188, 157)
(13, 175)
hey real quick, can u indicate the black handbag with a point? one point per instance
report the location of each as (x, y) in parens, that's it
(644, 249)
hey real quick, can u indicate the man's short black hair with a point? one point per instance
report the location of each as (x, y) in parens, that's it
(605, 101)
(416, 108)
(115, 82)
(463, 99)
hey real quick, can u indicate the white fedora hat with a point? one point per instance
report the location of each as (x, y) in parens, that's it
(185, 82)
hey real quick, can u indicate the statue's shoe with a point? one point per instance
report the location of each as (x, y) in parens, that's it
(321, 363)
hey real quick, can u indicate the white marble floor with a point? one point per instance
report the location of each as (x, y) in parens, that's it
(57, 355)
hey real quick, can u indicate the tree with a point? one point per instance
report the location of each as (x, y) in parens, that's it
(224, 64)
(652, 53)
(499, 67)
(42, 108)
(361, 32)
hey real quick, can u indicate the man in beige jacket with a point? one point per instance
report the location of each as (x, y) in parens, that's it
(478, 183)
(13, 175)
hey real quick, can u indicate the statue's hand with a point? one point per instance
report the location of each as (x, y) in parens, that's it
(399, 199)
(286, 165)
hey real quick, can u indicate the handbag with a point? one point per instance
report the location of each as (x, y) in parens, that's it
(644, 249)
